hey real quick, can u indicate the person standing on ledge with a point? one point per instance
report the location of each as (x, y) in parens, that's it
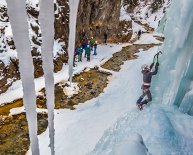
(139, 34)
(105, 37)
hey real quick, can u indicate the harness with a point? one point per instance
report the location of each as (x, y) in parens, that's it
(146, 84)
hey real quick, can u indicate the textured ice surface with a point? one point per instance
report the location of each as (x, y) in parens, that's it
(173, 86)
(18, 19)
(46, 19)
(72, 26)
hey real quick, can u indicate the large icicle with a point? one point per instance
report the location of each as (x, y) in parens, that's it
(18, 19)
(46, 19)
(72, 35)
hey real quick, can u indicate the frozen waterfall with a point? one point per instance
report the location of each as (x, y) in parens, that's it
(177, 61)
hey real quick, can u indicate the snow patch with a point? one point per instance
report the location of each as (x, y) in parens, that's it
(147, 38)
(70, 90)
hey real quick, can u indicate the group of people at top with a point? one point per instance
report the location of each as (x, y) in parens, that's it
(88, 46)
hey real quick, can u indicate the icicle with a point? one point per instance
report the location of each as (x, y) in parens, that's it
(18, 19)
(46, 18)
(72, 35)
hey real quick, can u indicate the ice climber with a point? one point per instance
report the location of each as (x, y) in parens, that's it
(147, 75)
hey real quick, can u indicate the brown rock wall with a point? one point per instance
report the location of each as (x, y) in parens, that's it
(95, 17)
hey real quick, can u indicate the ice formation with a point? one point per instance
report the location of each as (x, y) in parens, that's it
(177, 59)
(21, 38)
(46, 19)
(72, 35)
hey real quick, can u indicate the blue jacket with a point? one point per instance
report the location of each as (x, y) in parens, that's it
(80, 50)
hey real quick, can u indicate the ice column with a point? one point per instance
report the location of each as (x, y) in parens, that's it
(46, 19)
(72, 35)
(176, 73)
(18, 19)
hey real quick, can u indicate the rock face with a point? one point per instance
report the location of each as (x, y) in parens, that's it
(61, 20)
(153, 5)
(95, 17)
(10, 72)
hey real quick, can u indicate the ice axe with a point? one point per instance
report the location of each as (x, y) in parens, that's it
(156, 56)
(155, 59)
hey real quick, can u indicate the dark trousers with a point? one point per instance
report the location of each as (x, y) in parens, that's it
(80, 57)
(139, 37)
(88, 56)
(95, 48)
(105, 39)
(146, 92)
(74, 64)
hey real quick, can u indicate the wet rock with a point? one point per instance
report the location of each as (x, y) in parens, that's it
(2, 65)
(11, 44)
(2, 135)
(96, 67)
(23, 123)
(35, 29)
(15, 134)
(3, 82)
(71, 103)
(63, 98)
(66, 85)
(35, 52)
(89, 85)
(38, 70)
(43, 123)
(93, 92)
(1, 142)
(59, 61)
(35, 41)
(82, 79)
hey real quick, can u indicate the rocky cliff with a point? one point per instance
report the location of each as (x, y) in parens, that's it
(96, 17)
(154, 5)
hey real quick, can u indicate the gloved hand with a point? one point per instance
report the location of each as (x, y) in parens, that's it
(157, 64)
(151, 66)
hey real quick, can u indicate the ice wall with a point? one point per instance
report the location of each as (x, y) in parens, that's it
(173, 84)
